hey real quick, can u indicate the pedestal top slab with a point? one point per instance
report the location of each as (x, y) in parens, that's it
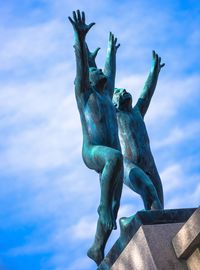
(129, 226)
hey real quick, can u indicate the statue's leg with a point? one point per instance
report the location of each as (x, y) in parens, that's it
(117, 194)
(108, 162)
(155, 178)
(140, 182)
(108, 181)
(111, 181)
(96, 252)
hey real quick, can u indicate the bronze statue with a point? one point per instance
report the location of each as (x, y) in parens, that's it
(140, 172)
(101, 148)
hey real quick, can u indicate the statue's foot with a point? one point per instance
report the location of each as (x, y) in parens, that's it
(156, 205)
(125, 221)
(96, 254)
(115, 225)
(106, 218)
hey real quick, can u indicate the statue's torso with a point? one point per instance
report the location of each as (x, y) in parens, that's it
(98, 119)
(134, 138)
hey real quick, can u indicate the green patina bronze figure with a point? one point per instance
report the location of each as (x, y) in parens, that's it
(101, 148)
(140, 172)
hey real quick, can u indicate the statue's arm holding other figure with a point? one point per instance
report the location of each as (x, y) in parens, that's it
(82, 67)
(150, 84)
(110, 63)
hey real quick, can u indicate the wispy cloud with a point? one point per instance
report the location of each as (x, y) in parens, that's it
(172, 178)
(84, 228)
(179, 134)
(31, 45)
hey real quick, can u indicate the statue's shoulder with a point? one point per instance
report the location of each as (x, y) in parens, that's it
(135, 110)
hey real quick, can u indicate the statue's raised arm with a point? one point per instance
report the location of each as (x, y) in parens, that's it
(82, 68)
(110, 63)
(150, 84)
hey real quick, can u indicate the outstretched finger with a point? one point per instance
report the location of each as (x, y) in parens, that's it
(90, 25)
(74, 16)
(118, 45)
(154, 54)
(159, 60)
(94, 54)
(113, 38)
(110, 36)
(78, 15)
(162, 65)
(70, 19)
(115, 41)
(156, 59)
(83, 16)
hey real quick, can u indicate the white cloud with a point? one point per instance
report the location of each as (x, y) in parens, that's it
(179, 134)
(44, 117)
(31, 45)
(127, 210)
(83, 263)
(172, 178)
(196, 195)
(181, 188)
(169, 96)
(84, 228)
(28, 249)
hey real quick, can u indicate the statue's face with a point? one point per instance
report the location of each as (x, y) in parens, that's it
(97, 77)
(122, 99)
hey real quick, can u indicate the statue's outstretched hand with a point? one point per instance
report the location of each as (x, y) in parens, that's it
(112, 43)
(79, 25)
(94, 54)
(156, 63)
(92, 57)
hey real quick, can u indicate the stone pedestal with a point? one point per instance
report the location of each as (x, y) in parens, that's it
(193, 261)
(187, 242)
(145, 242)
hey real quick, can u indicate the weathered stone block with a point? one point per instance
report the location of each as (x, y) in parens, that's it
(151, 249)
(193, 262)
(188, 238)
(145, 242)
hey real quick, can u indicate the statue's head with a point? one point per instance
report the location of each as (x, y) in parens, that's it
(97, 77)
(122, 100)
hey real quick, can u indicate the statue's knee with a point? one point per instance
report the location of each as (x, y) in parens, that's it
(118, 159)
(115, 160)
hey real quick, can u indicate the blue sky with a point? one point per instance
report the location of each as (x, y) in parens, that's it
(48, 198)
